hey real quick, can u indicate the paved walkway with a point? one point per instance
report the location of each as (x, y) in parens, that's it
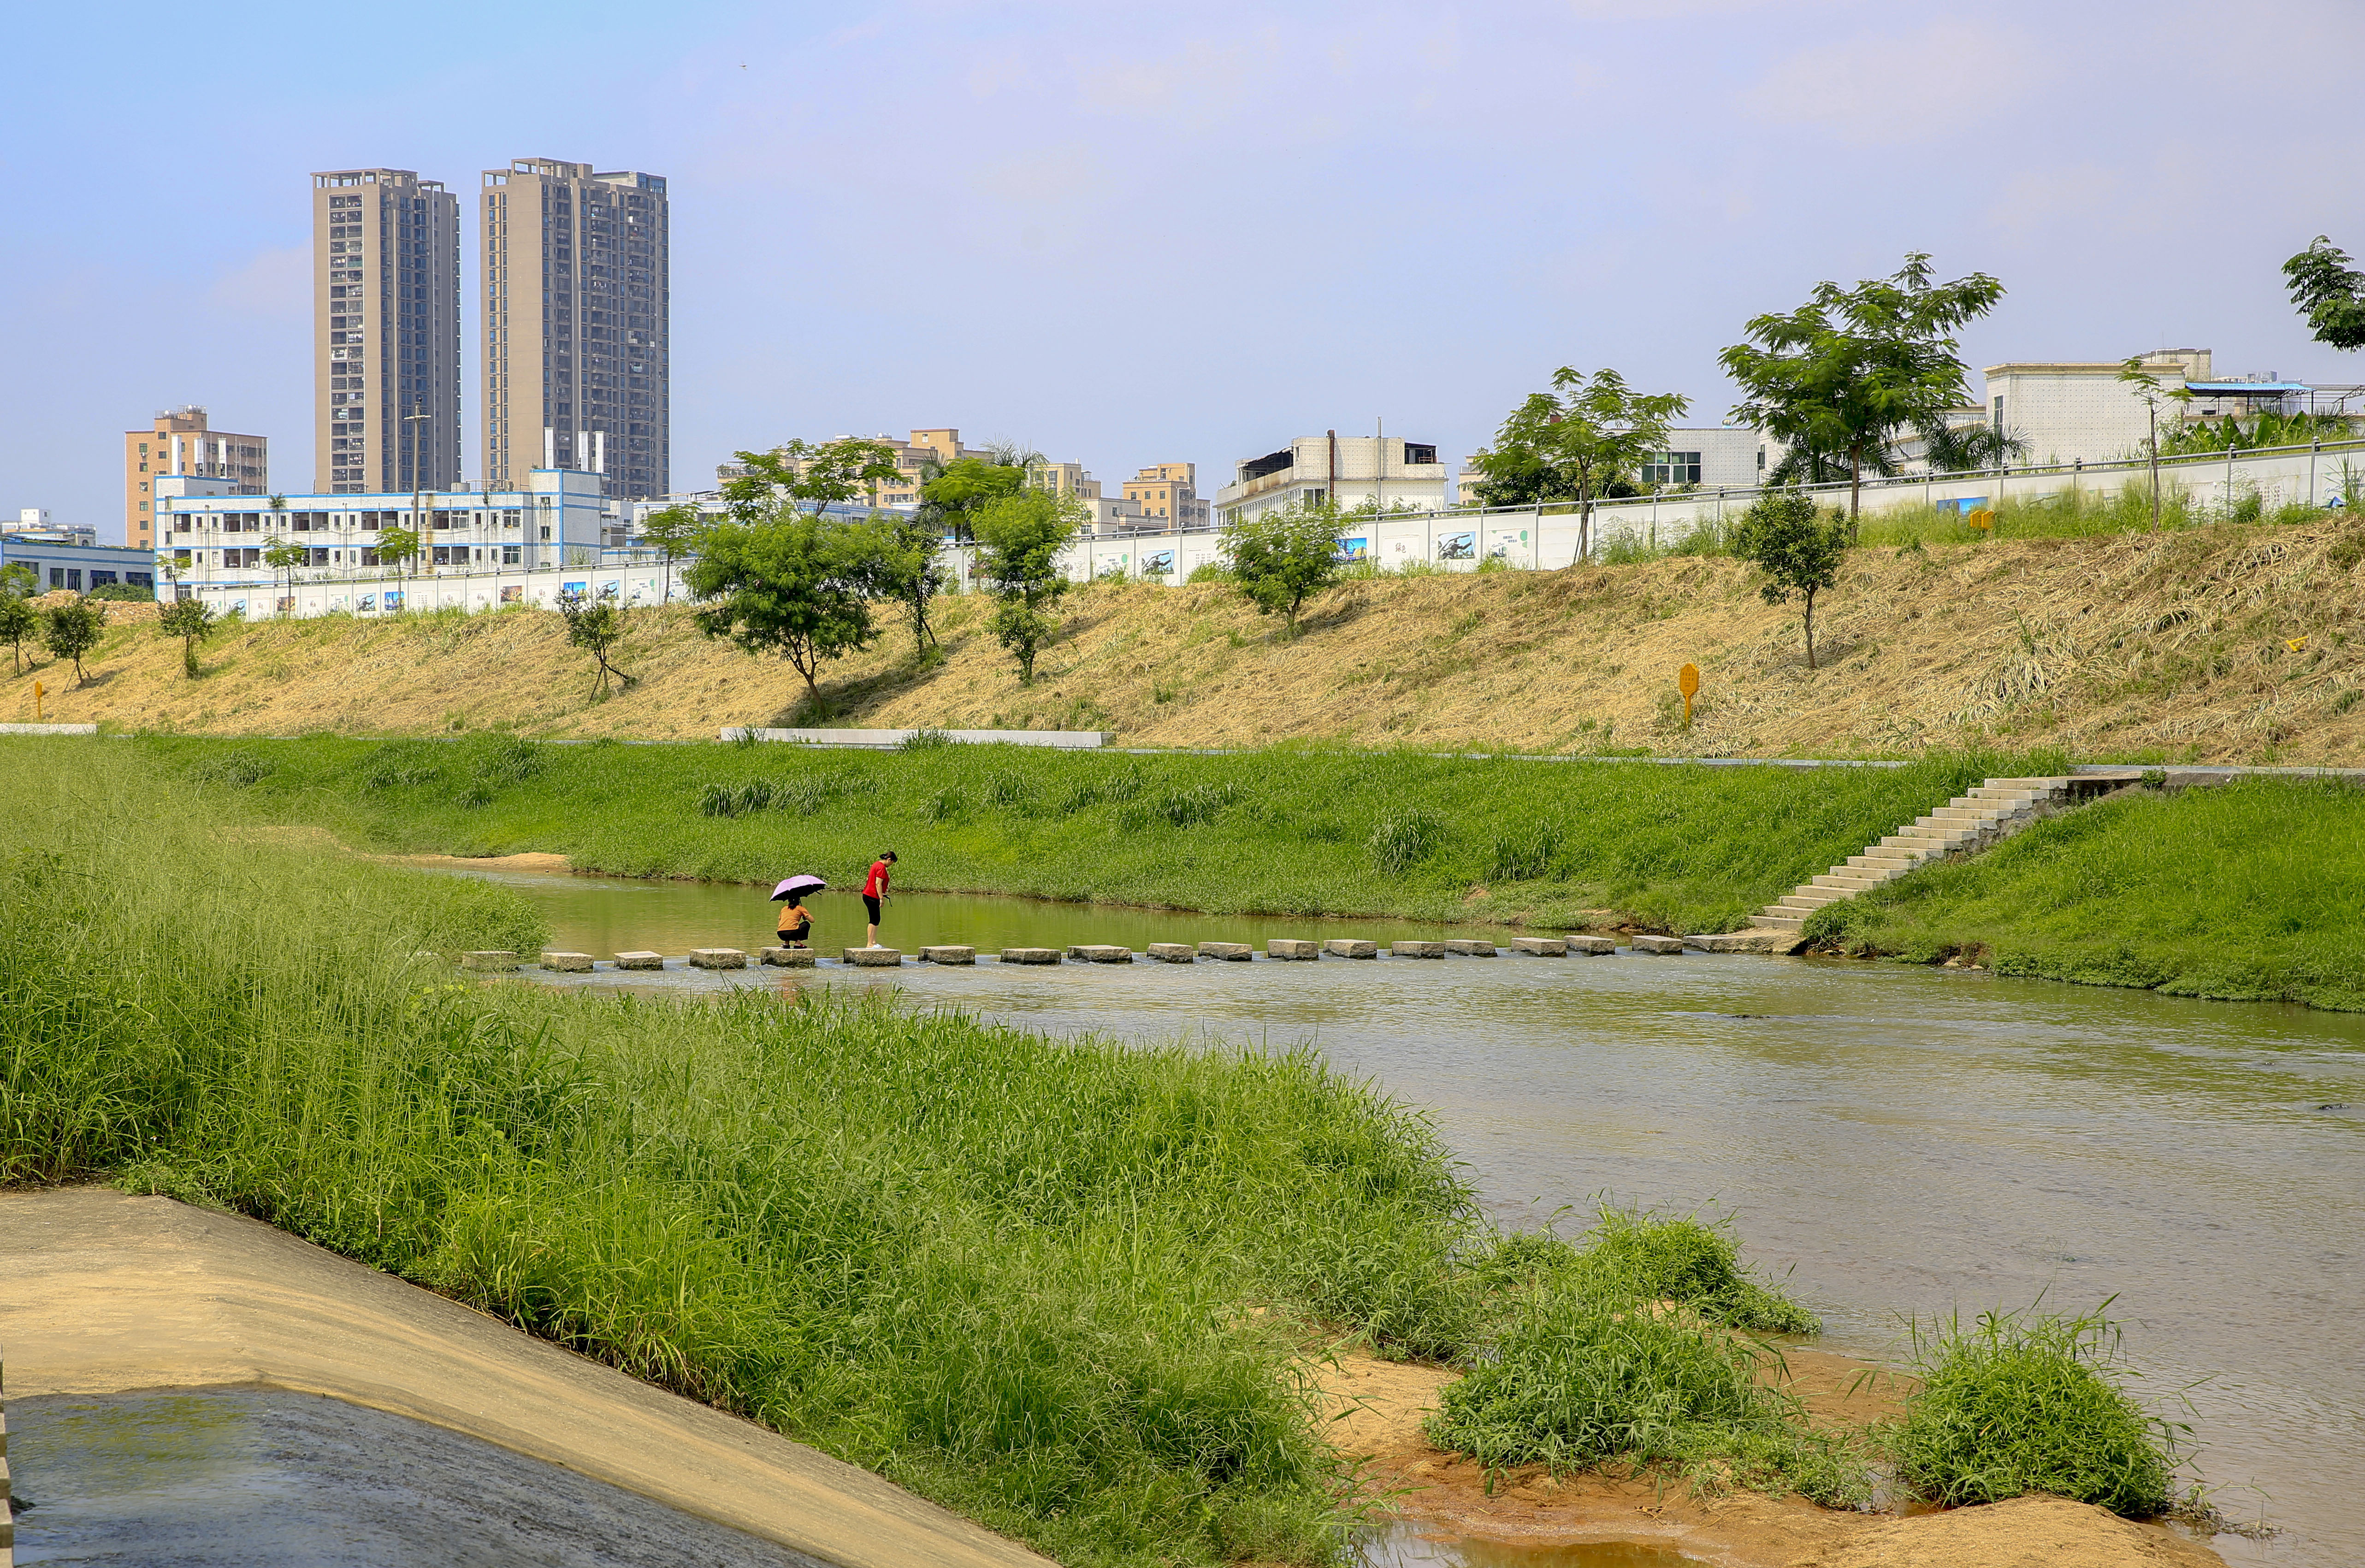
(101, 1293)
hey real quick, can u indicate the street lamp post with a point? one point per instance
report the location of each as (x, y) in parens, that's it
(417, 489)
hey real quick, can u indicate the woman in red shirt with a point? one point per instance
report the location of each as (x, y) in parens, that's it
(875, 889)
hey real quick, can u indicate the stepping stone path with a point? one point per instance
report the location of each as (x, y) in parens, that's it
(875, 957)
(1094, 953)
(1174, 952)
(1230, 952)
(1416, 949)
(717, 958)
(1658, 944)
(1541, 947)
(1350, 947)
(1030, 954)
(1469, 950)
(948, 955)
(1593, 946)
(788, 957)
(489, 960)
(1292, 949)
(640, 960)
(567, 963)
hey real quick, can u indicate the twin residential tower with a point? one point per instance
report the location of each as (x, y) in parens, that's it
(576, 339)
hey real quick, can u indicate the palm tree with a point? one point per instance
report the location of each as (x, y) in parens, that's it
(1962, 449)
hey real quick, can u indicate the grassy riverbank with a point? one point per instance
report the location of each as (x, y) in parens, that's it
(1486, 839)
(2251, 891)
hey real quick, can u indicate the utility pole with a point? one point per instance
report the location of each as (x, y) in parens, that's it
(417, 488)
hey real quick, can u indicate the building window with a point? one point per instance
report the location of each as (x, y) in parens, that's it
(1671, 468)
(1999, 413)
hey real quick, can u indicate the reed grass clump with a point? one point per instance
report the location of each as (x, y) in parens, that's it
(2029, 1401)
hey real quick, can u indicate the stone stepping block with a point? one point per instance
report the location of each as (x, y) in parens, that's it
(787, 957)
(1230, 952)
(1030, 954)
(875, 957)
(1657, 944)
(1100, 953)
(640, 960)
(1350, 947)
(567, 963)
(1463, 947)
(491, 959)
(1416, 949)
(1174, 952)
(717, 958)
(1593, 946)
(948, 955)
(1292, 949)
(1541, 947)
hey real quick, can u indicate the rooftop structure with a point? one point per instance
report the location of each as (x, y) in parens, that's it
(1346, 471)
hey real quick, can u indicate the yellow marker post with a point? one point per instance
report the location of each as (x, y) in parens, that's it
(38, 690)
(1687, 682)
(2296, 644)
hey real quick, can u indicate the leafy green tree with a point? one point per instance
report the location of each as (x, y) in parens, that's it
(2329, 293)
(192, 621)
(2152, 395)
(791, 582)
(397, 545)
(1963, 448)
(18, 619)
(1282, 557)
(1576, 439)
(70, 630)
(596, 626)
(953, 493)
(1023, 536)
(906, 557)
(674, 531)
(1846, 371)
(805, 473)
(1798, 549)
(283, 558)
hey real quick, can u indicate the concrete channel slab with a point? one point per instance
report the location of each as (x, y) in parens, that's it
(1030, 954)
(1593, 946)
(717, 958)
(875, 957)
(1174, 952)
(1100, 953)
(1541, 947)
(1292, 949)
(788, 957)
(567, 963)
(1759, 940)
(489, 961)
(1350, 947)
(1463, 947)
(1227, 952)
(949, 953)
(1659, 944)
(640, 960)
(1416, 949)
(105, 1293)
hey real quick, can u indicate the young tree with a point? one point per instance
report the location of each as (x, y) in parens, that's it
(905, 553)
(192, 621)
(1282, 557)
(674, 531)
(954, 493)
(804, 474)
(397, 545)
(283, 558)
(2329, 293)
(1586, 433)
(2151, 394)
(1799, 552)
(596, 626)
(790, 583)
(1962, 449)
(18, 619)
(70, 631)
(1847, 370)
(1023, 536)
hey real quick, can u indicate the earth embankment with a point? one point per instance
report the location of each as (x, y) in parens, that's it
(2222, 644)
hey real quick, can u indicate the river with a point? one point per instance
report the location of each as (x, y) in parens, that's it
(1893, 1139)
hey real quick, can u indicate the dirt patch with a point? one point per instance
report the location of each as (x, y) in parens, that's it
(532, 860)
(1375, 1410)
(2219, 645)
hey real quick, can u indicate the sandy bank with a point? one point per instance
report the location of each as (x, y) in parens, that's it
(1377, 1407)
(102, 1293)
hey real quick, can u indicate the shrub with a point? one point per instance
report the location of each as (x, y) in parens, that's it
(1525, 854)
(403, 764)
(2028, 1402)
(241, 767)
(1404, 841)
(1199, 803)
(129, 593)
(509, 759)
(1683, 1260)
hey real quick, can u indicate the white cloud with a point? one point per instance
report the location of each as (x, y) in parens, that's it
(1936, 84)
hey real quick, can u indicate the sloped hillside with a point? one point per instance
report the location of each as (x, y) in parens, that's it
(2222, 644)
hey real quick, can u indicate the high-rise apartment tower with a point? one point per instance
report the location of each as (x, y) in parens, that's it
(578, 335)
(385, 313)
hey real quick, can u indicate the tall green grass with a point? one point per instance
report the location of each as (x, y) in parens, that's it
(2253, 891)
(1688, 848)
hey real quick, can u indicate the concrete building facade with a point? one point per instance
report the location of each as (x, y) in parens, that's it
(577, 325)
(1348, 471)
(1713, 457)
(73, 559)
(178, 443)
(1168, 493)
(2081, 410)
(385, 304)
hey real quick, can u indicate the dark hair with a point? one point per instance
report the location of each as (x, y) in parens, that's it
(889, 855)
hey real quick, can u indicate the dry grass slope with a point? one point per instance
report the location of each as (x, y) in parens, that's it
(2216, 645)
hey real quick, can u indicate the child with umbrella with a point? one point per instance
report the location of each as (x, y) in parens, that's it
(796, 921)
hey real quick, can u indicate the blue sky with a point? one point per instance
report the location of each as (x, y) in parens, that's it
(1136, 234)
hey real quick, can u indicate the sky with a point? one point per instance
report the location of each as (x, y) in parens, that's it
(1133, 234)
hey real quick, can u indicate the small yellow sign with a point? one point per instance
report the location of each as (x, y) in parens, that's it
(39, 692)
(1687, 682)
(1983, 520)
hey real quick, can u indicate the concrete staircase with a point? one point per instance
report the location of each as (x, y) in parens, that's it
(1964, 826)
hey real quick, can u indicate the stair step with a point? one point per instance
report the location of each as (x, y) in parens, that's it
(1813, 898)
(1848, 882)
(1898, 863)
(1777, 922)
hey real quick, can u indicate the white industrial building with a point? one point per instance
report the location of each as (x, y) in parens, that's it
(1705, 457)
(1349, 471)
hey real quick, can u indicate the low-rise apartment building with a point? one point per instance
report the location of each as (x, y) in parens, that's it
(177, 442)
(1349, 471)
